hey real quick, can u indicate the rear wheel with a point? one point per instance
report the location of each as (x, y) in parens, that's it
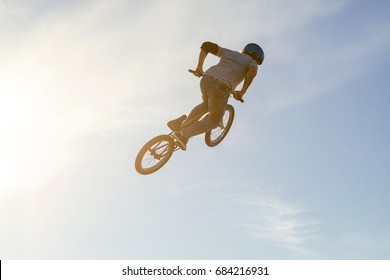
(154, 154)
(216, 135)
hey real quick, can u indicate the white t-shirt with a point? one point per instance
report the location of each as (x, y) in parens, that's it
(231, 68)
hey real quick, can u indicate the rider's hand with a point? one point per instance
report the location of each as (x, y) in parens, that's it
(238, 94)
(198, 72)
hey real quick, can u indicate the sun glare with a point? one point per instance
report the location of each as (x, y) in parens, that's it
(26, 145)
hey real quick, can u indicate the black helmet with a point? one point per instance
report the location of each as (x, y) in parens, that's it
(255, 49)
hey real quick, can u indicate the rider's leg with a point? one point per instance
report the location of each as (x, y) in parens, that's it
(217, 99)
(194, 116)
(175, 124)
(197, 112)
(207, 124)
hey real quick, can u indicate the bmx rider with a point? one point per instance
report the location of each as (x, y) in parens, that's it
(216, 85)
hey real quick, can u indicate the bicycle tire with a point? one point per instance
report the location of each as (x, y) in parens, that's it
(216, 135)
(154, 154)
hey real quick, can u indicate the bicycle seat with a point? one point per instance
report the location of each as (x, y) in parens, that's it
(175, 124)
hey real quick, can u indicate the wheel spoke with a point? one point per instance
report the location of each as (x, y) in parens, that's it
(154, 154)
(219, 130)
(216, 135)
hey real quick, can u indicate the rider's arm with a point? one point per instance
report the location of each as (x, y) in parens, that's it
(209, 47)
(206, 48)
(250, 75)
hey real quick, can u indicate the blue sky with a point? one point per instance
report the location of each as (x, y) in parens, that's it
(303, 174)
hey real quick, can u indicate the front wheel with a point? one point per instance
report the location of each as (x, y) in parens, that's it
(216, 135)
(154, 154)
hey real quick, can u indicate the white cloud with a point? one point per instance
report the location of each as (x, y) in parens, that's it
(269, 218)
(280, 222)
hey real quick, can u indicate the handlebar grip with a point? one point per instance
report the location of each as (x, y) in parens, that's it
(235, 97)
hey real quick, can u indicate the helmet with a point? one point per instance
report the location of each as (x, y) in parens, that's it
(254, 49)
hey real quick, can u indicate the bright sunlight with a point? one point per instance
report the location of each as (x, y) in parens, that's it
(28, 142)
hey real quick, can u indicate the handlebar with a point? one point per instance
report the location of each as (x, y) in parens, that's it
(192, 71)
(232, 93)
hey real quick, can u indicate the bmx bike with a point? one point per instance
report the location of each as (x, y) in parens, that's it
(157, 152)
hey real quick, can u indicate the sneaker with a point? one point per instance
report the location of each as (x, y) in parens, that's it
(175, 124)
(181, 140)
